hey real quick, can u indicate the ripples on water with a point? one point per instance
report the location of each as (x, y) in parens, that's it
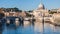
(28, 28)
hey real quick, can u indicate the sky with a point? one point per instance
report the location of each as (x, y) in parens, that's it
(29, 4)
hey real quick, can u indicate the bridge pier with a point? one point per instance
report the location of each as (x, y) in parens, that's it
(17, 21)
(8, 21)
(32, 21)
(21, 21)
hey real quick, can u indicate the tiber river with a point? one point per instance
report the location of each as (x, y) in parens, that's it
(29, 28)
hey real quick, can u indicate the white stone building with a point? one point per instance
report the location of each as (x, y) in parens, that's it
(40, 12)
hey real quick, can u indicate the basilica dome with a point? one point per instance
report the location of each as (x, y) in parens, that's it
(41, 6)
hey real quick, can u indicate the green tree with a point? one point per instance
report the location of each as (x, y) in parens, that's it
(1, 15)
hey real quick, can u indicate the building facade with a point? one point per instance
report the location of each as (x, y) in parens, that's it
(40, 12)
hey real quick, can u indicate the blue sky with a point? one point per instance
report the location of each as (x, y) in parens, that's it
(29, 4)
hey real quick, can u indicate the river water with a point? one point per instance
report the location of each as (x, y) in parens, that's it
(29, 28)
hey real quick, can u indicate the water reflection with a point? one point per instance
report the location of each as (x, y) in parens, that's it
(38, 28)
(30, 28)
(1, 28)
